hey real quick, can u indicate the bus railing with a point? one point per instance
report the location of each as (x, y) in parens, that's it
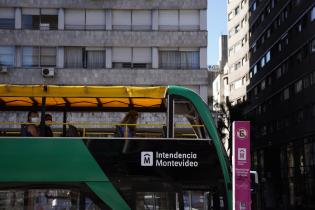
(104, 129)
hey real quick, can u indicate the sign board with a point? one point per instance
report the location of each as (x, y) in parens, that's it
(186, 161)
(241, 165)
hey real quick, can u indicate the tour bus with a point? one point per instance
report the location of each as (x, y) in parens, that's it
(174, 160)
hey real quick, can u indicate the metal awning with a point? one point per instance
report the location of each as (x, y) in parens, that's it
(81, 98)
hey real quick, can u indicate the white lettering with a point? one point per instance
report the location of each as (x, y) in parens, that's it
(176, 159)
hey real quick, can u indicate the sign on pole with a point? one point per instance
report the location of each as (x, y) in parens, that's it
(241, 165)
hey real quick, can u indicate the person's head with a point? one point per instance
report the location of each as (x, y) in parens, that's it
(131, 117)
(48, 119)
(33, 117)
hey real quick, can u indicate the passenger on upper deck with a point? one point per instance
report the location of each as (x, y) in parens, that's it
(48, 121)
(128, 130)
(31, 129)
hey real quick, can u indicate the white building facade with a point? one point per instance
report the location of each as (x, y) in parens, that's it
(114, 42)
(238, 48)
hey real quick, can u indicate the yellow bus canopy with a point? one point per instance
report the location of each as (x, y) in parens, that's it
(82, 96)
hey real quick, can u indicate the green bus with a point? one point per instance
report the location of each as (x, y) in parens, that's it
(163, 166)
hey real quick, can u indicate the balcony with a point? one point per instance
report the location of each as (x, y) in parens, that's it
(104, 38)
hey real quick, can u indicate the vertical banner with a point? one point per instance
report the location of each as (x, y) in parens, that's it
(241, 165)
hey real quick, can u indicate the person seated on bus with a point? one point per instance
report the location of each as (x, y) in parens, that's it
(72, 131)
(31, 128)
(128, 127)
(48, 122)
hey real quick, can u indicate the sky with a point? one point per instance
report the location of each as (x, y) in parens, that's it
(217, 25)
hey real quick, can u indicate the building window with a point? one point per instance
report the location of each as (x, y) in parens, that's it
(306, 82)
(256, 91)
(168, 20)
(238, 84)
(313, 46)
(262, 62)
(268, 33)
(48, 56)
(244, 60)
(237, 28)
(231, 32)
(73, 57)
(36, 56)
(279, 46)
(313, 14)
(237, 47)
(43, 19)
(279, 72)
(179, 59)
(254, 47)
(243, 80)
(254, 7)
(312, 78)
(243, 23)
(188, 20)
(231, 51)
(94, 58)
(237, 10)
(313, 111)
(286, 94)
(74, 19)
(95, 19)
(255, 69)
(300, 116)
(30, 56)
(262, 17)
(7, 56)
(263, 84)
(141, 20)
(243, 4)
(268, 56)
(141, 57)
(131, 57)
(298, 86)
(272, 3)
(298, 57)
(230, 16)
(30, 18)
(237, 65)
(7, 20)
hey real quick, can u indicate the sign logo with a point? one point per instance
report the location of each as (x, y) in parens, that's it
(169, 159)
(242, 133)
(146, 158)
(241, 153)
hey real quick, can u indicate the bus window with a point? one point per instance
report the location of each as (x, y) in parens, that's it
(195, 200)
(155, 201)
(45, 199)
(187, 122)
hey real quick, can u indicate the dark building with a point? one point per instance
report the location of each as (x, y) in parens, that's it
(281, 98)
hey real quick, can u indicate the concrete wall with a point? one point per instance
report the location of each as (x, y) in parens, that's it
(106, 77)
(104, 38)
(116, 4)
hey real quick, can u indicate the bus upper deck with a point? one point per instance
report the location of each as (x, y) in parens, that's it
(114, 170)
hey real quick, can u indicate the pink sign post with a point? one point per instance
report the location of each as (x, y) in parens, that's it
(241, 165)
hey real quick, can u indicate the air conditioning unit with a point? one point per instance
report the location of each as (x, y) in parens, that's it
(3, 69)
(48, 72)
(44, 26)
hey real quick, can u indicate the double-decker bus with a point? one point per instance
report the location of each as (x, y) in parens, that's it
(175, 160)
